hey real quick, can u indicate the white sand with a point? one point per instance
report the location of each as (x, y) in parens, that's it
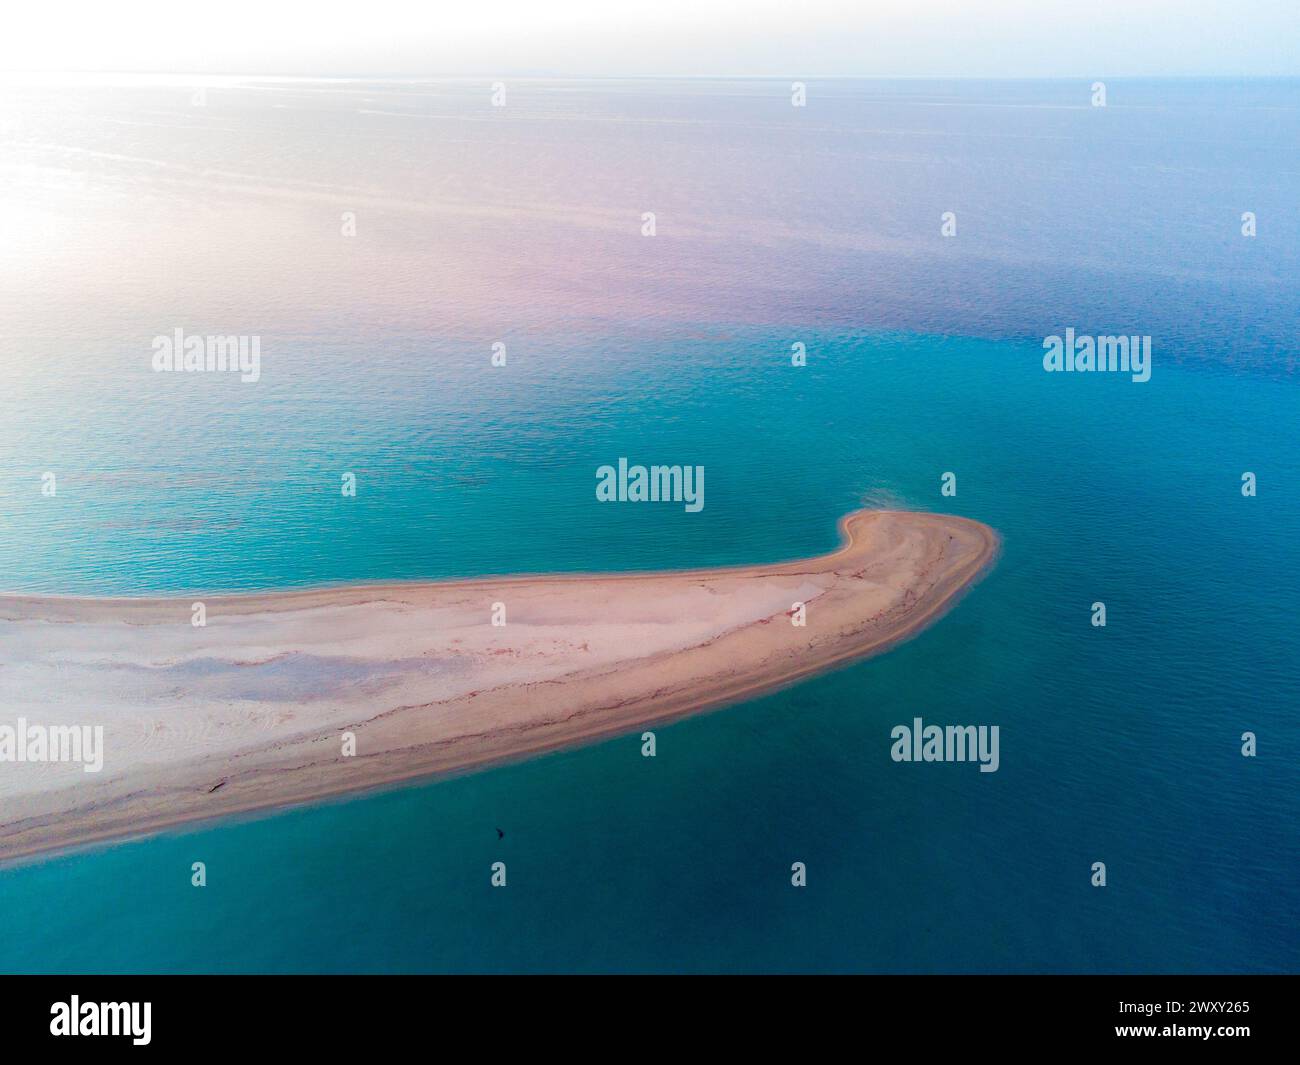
(257, 701)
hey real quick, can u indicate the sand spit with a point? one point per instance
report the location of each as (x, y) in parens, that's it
(251, 710)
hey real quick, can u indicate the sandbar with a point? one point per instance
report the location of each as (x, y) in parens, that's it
(251, 710)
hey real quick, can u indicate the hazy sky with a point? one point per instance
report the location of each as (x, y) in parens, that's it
(1012, 38)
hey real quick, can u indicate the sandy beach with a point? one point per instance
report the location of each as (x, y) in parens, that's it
(252, 710)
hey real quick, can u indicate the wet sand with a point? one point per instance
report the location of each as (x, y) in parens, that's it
(252, 710)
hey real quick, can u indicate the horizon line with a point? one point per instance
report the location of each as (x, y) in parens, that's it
(554, 76)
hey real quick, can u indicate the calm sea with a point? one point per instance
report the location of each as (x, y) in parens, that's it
(132, 210)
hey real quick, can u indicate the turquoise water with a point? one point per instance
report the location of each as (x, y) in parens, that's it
(1119, 745)
(129, 213)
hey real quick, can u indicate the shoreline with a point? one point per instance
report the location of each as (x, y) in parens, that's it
(254, 705)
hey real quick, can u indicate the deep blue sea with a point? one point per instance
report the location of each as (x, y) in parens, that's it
(1119, 745)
